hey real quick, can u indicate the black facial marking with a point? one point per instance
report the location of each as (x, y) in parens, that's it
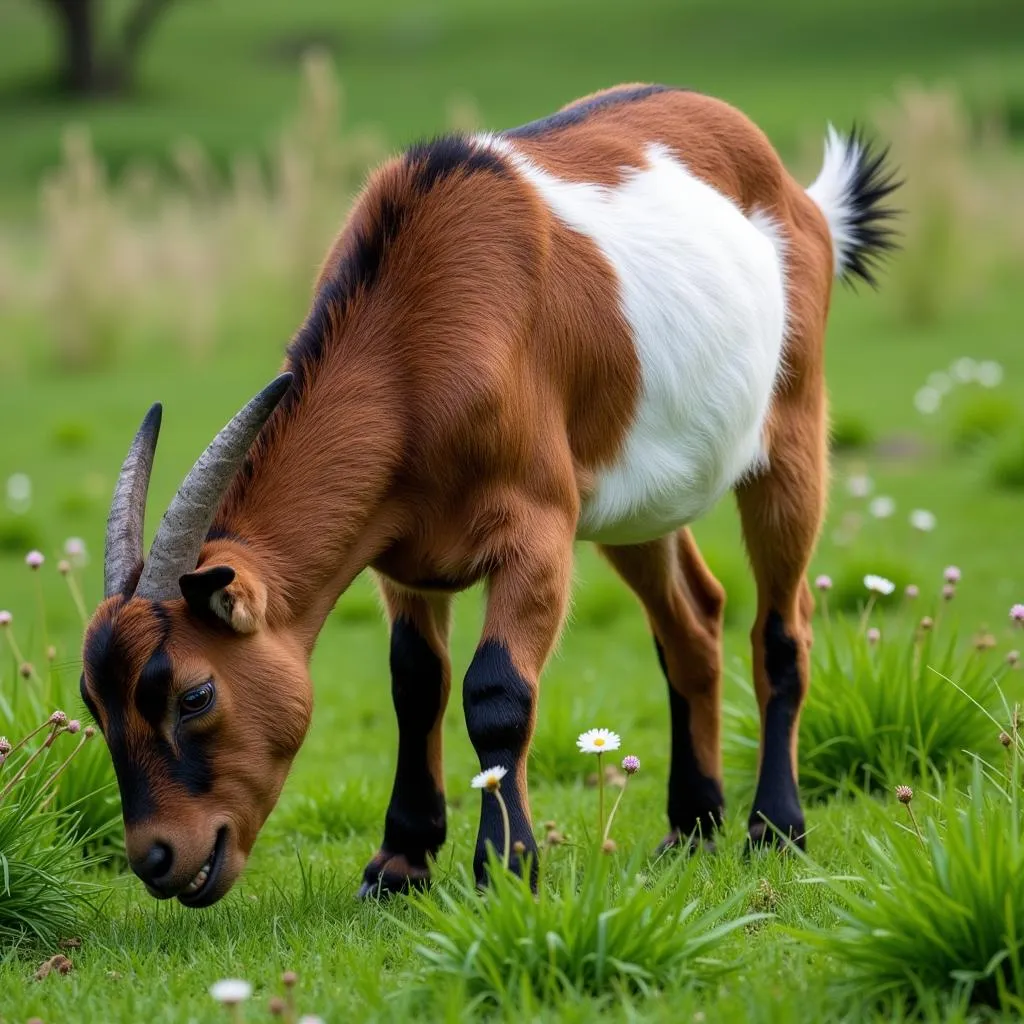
(579, 112)
(153, 689)
(498, 704)
(695, 801)
(777, 798)
(415, 821)
(137, 764)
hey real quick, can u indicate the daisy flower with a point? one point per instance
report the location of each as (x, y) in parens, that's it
(882, 507)
(923, 520)
(879, 585)
(489, 779)
(231, 991)
(598, 741)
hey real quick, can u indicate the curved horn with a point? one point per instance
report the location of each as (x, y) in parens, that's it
(183, 530)
(123, 553)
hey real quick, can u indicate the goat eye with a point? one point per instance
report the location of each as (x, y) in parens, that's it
(197, 700)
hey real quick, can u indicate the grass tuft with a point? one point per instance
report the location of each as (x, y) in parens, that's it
(605, 930)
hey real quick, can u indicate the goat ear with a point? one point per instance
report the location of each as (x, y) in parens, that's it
(236, 599)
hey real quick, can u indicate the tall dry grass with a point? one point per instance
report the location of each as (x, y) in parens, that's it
(170, 259)
(963, 201)
(153, 258)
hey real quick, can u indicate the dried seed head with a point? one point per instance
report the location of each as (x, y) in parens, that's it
(519, 847)
(51, 653)
(549, 825)
(277, 1006)
(25, 670)
(984, 642)
(926, 623)
(904, 794)
(948, 591)
(1013, 658)
(63, 567)
(554, 837)
(90, 731)
(289, 978)
(1005, 738)
(608, 846)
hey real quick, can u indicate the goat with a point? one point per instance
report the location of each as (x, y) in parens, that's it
(589, 328)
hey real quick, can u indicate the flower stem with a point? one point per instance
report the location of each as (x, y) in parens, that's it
(42, 609)
(76, 596)
(28, 761)
(615, 807)
(917, 828)
(507, 849)
(24, 739)
(600, 796)
(866, 614)
(60, 768)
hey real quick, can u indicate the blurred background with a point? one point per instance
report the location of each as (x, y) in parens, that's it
(171, 172)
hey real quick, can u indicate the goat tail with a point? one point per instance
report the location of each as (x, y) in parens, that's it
(850, 190)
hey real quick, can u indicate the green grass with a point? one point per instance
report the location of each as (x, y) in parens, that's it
(226, 72)
(215, 72)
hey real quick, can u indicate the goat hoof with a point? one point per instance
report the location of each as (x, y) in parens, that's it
(683, 842)
(762, 836)
(391, 874)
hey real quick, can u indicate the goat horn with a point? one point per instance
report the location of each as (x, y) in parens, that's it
(123, 553)
(183, 529)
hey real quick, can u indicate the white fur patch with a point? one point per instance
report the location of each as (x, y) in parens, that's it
(833, 191)
(702, 288)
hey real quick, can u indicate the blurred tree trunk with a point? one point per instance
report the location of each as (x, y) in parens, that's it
(86, 66)
(77, 18)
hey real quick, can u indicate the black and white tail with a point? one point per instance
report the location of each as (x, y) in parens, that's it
(851, 190)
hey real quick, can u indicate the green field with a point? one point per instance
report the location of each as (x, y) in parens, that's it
(227, 74)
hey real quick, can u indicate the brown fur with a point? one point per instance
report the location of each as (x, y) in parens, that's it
(448, 431)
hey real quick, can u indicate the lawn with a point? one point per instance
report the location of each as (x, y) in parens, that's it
(230, 81)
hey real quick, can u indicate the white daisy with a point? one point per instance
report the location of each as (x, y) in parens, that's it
(927, 400)
(879, 585)
(489, 779)
(923, 520)
(598, 741)
(859, 485)
(231, 991)
(882, 507)
(990, 374)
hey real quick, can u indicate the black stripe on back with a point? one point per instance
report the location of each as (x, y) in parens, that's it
(579, 112)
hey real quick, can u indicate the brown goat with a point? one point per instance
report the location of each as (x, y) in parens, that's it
(590, 327)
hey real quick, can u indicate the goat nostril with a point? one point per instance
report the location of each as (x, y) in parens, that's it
(156, 863)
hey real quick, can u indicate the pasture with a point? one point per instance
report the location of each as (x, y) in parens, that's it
(150, 270)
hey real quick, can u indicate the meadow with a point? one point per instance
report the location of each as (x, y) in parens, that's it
(165, 250)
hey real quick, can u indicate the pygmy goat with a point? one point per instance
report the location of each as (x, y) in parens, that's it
(589, 327)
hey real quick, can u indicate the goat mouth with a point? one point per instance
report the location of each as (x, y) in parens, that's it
(202, 890)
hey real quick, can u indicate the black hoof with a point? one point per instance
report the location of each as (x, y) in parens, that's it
(678, 841)
(391, 875)
(763, 836)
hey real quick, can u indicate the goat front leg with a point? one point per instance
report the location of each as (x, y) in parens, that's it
(526, 601)
(414, 827)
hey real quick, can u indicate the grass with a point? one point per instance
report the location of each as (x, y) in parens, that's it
(956, 293)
